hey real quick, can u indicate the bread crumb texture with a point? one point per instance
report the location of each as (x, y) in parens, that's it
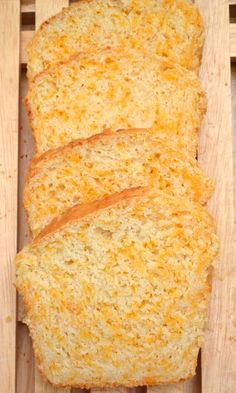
(92, 169)
(171, 28)
(115, 89)
(119, 296)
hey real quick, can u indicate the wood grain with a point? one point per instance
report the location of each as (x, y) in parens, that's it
(178, 388)
(44, 11)
(26, 151)
(215, 156)
(25, 361)
(27, 5)
(232, 32)
(9, 103)
(233, 95)
(26, 37)
(24, 354)
(113, 390)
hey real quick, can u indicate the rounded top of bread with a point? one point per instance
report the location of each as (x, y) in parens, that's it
(115, 88)
(171, 28)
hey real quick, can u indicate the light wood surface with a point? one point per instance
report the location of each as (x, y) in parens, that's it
(218, 355)
(232, 32)
(9, 104)
(27, 6)
(24, 361)
(233, 95)
(24, 354)
(26, 37)
(45, 9)
(215, 156)
(178, 388)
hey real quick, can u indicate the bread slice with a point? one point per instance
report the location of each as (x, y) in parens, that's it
(91, 169)
(116, 291)
(115, 89)
(167, 28)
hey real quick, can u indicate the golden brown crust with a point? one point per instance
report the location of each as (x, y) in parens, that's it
(164, 63)
(49, 154)
(143, 382)
(109, 136)
(44, 157)
(80, 211)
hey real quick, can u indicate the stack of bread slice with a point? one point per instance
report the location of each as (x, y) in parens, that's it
(116, 279)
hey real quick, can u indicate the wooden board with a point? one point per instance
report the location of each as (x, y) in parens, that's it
(215, 156)
(217, 369)
(9, 116)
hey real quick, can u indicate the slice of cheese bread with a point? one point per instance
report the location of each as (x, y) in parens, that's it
(91, 169)
(115, 88)
(171, 28)
(116, 291)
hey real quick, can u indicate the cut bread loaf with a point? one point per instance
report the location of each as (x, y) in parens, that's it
(116, 291)
(171, 28)
(115, 89)
(91, 169)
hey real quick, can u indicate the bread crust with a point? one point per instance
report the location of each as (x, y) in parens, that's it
(164, 63)
(80, 211)
(47, 155)
(65, 10)
(201, 192)
(44, 157)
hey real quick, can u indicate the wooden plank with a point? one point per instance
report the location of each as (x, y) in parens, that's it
(9, 82)
(24, 355)
(26, 37)
(27, 5)
(193, 385)
(110, 390)
(27, 8)
(25, 361)
(26, 149)
(232, 40)
(140, 389)
(177, 388)
(233, 94)
(215, 156)
(41, 386)
(44, 11)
